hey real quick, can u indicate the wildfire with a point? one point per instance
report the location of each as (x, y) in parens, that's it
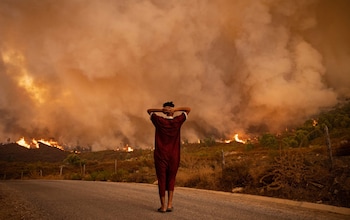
(235, 138)
(238, 140)
(127, 148)
(23, 143)
(35, 143)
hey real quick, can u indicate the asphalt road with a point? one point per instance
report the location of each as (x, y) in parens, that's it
(65, 199)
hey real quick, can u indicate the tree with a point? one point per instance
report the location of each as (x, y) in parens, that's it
(74, 160)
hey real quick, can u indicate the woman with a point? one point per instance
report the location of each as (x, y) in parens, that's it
(167, 149)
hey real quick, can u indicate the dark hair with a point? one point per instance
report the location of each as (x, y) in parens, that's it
(171, 104)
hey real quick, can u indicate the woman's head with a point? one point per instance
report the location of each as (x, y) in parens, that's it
(168, 108)
(169, 104)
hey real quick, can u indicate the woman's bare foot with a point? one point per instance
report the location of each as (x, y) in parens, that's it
(162, 210)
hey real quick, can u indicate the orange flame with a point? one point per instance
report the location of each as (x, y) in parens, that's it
(235, 138)
(49, 143)
(23, 143)
(238, 140)
(35, 143)
(127, 148)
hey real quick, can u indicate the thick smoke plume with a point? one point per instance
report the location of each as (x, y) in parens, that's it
(84, 72)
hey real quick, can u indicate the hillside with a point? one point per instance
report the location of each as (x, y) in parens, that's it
(303, 163)
(13, 152)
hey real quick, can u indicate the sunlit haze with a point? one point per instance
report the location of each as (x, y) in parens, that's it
(84, 72)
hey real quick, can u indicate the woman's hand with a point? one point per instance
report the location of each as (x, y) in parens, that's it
(168, 110)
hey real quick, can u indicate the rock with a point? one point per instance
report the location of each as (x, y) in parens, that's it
(237, 190)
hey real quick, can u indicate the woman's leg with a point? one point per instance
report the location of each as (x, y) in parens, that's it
(170, 199)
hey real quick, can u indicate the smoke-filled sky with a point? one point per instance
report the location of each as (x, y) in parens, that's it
(85, 71)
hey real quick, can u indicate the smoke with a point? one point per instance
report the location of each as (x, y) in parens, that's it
(85, 72)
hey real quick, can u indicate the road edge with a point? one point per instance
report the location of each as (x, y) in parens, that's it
(302, 204)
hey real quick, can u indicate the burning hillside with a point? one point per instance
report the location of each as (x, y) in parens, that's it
(36, 143)
(13, 152)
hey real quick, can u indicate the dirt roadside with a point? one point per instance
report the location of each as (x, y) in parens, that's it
(14, 207)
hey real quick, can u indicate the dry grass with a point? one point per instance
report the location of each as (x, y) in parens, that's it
(303, 174)
(204, 177)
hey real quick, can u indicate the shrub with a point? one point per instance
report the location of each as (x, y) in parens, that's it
(269, 141)
(73, 176)
(120, 176)
(74, 160)
(235, 175)
(99, 176)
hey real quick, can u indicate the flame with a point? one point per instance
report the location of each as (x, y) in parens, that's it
(23, 143)
(35, 143)
(127, 148)
(17, 61)
(238, 140)
(49, 143)
(235, 138)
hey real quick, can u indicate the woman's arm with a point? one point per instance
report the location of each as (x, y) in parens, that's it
(183, 109)
(149, 111)
(169, 109)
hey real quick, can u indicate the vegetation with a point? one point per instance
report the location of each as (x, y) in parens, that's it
(297, 164)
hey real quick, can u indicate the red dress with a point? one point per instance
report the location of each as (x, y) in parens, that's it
(167, 150)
